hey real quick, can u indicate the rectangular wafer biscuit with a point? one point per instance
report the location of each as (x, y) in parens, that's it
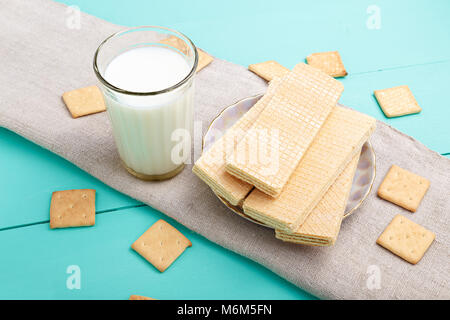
(210, 167)
(339, 140)
(307, 241)
(324, 222)
(272, 148)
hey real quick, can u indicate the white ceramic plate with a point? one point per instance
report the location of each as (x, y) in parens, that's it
(362, 182)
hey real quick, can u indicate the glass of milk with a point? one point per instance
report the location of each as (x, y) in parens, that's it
(147, 79)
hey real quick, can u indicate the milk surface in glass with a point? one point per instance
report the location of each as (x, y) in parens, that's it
(146, 128)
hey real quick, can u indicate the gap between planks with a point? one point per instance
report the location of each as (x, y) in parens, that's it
(100, 212)
(401, 67)
(48, 221)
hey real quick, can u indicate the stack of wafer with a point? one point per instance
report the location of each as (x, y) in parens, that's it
(302, 103)
(211, 165)
(322, 226)
(302, 192)
(340, 139)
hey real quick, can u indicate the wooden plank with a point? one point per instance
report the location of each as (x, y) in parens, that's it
(247, 32)
(28, 176)
(428, 83)
(35, 260)
(410, 34)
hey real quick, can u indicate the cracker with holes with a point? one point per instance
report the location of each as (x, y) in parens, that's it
(269, 70)
(72, 208)
(403, 188)
(203, 59)
(161, 245)
(406, 239)
(137, 297)
(84, 101)
(174, 41)
(328, 62)
(397, 101)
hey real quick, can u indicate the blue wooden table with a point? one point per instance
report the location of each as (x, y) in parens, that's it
(382, 44)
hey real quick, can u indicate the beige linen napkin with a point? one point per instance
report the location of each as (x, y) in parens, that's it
(43, 56)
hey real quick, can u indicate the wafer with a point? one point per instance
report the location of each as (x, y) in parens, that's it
(307, 241)
(210, 167)
(323, 224)
(285, 129)
(339, 140)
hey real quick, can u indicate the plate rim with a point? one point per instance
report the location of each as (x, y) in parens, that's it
(243, 215)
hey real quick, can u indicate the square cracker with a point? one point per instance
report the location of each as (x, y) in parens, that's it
(403, 188)
(203, 58)
(406, 239)
(84, 101)
(397, 101)
(72, 208)
(177, 43)
(137, 297)
(328, 62)
(268, 70)
(161, 245)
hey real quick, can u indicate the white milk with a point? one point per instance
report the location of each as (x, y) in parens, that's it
(143, 125)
